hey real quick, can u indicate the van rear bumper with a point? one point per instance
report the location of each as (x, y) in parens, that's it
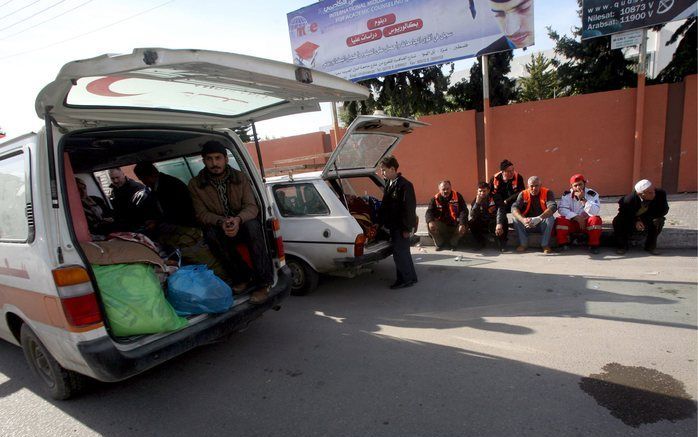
(111, 364)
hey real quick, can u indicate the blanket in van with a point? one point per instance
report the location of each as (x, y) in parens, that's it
(119, 251)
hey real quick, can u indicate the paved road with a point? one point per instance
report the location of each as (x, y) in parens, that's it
(481, 346)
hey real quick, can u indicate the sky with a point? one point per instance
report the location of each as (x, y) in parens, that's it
(37, 37)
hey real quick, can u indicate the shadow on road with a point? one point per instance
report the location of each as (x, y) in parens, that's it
(324, 365)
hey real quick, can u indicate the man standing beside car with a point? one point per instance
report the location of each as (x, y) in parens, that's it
(225, 206)
(397, 213)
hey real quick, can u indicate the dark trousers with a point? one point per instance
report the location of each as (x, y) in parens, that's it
(404, 267)
(624, 228)
(480, 229)
(224, 248)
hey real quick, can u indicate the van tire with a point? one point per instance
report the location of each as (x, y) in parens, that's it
(304, 278)
(61, 383)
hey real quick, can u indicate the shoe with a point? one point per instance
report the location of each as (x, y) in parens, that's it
(259, 296)
(397, 284)
(621, 251)
(654, 252)
(594, 250)
(240, 288)
(439, 249)
(454, 248)
(521, 249)
(547, 250)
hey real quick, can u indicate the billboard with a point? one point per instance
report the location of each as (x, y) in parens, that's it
(360, 39)
(604, 17)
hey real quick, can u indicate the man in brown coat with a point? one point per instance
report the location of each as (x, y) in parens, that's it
(226, 208)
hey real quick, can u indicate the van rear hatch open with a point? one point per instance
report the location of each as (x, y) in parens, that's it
(186, 88)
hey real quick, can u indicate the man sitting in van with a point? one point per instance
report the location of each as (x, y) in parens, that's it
(129, 200)
(225, 206)
(171, 194)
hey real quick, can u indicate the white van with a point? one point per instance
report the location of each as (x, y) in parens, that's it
(153, 104)
(329, 217)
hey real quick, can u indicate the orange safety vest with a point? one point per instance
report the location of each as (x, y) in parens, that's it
(452, 205)
(496, 181)
(541, 198)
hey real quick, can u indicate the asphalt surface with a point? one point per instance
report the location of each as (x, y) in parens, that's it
(484, 345)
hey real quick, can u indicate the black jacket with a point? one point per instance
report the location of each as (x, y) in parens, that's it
(126, 211)
(444, 214)
(630, 204)
(397, 210)
(505, 192)
(175, 201)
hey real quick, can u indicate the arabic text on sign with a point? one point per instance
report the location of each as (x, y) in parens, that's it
(364, 38)
(406, 26)
(384, 20)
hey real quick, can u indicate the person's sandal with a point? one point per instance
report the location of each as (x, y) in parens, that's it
(240, 288)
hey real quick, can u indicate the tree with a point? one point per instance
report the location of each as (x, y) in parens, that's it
(591, 65)
(541, 82)
(412, 93)
(683, 62)
(467, 94)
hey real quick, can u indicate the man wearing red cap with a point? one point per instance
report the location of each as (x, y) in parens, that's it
(579, 210)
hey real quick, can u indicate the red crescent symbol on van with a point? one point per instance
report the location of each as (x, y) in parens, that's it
(100, 87)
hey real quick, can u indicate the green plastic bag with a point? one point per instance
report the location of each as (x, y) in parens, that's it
(134, 301)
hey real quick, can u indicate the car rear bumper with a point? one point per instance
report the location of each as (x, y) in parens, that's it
(365, 259)
(112, 364)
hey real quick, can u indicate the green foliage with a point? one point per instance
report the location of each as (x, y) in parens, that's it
(406, 94)
(591, 65)
(541, 83)
(684, 61)
(467, 94)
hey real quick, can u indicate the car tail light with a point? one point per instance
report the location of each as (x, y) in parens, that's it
(359, 244)
(276, 228)
(77, 296)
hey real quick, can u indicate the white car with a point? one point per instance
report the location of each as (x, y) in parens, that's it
(328, 218)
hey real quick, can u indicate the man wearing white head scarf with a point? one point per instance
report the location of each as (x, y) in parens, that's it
(643, 210)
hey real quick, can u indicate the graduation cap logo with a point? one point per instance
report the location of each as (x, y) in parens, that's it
(305, 54)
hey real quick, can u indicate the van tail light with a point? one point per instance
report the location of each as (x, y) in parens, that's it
(276, 229)
(359, 244)
(77, 296)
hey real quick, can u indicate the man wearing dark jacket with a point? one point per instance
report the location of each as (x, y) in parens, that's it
(397, 213)
(488, 216)
(129, 200)
(642, 210)
(171, 194)
(506, 185)
(226, 208)
(447, 217)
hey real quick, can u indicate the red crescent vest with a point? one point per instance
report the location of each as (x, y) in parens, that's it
(497, 180)
(452, 205)
(541, 198)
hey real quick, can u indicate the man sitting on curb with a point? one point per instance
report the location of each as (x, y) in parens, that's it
(446, 217)
(488, 216)
(642, 210)
(579, 210)
(533, 213)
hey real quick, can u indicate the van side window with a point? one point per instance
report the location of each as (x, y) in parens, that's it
(13, 198)
(299, 200)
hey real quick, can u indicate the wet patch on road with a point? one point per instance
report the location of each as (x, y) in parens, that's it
(638, 395)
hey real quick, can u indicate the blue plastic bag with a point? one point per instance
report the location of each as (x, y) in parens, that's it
(195, 289)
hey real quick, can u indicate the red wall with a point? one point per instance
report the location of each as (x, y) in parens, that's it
(688, 168)
(591, 134)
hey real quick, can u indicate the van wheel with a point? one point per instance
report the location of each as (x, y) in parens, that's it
(61, 383)
(303, 278)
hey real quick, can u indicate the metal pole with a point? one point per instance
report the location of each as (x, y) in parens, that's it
(487, 113)
(259, 152)
(639, 108)
(335, 124)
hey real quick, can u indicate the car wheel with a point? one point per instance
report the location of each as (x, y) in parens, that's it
(61, 383)
(304, 278)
